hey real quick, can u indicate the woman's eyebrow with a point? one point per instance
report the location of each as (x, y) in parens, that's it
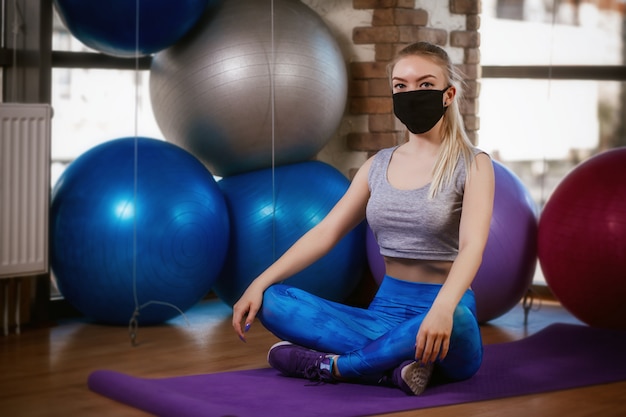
(423, 77)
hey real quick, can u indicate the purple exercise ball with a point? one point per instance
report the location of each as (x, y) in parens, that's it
(510, 257)
(374, 258)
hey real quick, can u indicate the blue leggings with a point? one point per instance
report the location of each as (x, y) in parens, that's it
(375, 340)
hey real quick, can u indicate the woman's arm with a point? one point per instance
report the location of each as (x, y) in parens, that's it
(344, 216)
(433, 338)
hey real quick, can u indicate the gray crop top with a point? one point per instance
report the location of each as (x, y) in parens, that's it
(406, 223)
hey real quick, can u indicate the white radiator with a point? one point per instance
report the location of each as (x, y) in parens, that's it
(24, 188)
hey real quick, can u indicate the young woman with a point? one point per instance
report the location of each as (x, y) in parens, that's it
(429, 203)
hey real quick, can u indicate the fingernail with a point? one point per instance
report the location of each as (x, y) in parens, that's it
(242, 339)
(247, 327)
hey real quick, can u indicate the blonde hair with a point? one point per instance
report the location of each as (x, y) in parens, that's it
(455, 143)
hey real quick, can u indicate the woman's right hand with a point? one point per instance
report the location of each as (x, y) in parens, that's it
(245, 310)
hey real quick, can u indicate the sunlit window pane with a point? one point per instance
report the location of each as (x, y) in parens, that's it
(532, 32)
(543, 128)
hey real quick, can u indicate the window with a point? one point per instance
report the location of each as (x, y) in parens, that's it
(93, 105)
(554, 91)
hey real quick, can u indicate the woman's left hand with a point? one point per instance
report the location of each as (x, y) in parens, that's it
(433, 337)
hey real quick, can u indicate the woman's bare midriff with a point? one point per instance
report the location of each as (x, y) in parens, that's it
(415, 270)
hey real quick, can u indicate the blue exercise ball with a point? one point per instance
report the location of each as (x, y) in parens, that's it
(266, 79)
(269, 211)
(115, 28)
(137, 222)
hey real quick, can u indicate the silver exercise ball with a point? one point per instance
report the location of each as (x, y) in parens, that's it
(246, 86)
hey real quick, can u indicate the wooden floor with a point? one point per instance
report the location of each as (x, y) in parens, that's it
(43, 372)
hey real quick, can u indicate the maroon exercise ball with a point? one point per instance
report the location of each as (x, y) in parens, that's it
(582, 240)
(510, 256)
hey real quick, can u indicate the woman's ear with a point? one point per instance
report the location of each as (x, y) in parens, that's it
(448, 96)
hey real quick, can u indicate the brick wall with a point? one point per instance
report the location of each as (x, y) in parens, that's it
(396, 23)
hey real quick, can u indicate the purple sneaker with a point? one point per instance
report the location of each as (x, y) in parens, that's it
(300, 362)
(412, 377)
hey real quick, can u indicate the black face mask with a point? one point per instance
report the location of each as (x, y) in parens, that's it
(419, 110)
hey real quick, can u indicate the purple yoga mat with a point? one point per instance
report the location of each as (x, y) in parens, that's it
(560, 356)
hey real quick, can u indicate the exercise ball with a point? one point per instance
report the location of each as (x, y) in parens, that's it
(270, 81)
(136, 217)
(510, 256)
(126, 28)
(270, 210)
(582, 240)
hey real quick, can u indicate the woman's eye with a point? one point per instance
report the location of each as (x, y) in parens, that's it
(426, 85)
(398, 86)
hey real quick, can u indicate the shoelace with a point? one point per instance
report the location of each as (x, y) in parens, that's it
(315, 373)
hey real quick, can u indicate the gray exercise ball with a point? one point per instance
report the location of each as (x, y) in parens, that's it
(248, 89)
